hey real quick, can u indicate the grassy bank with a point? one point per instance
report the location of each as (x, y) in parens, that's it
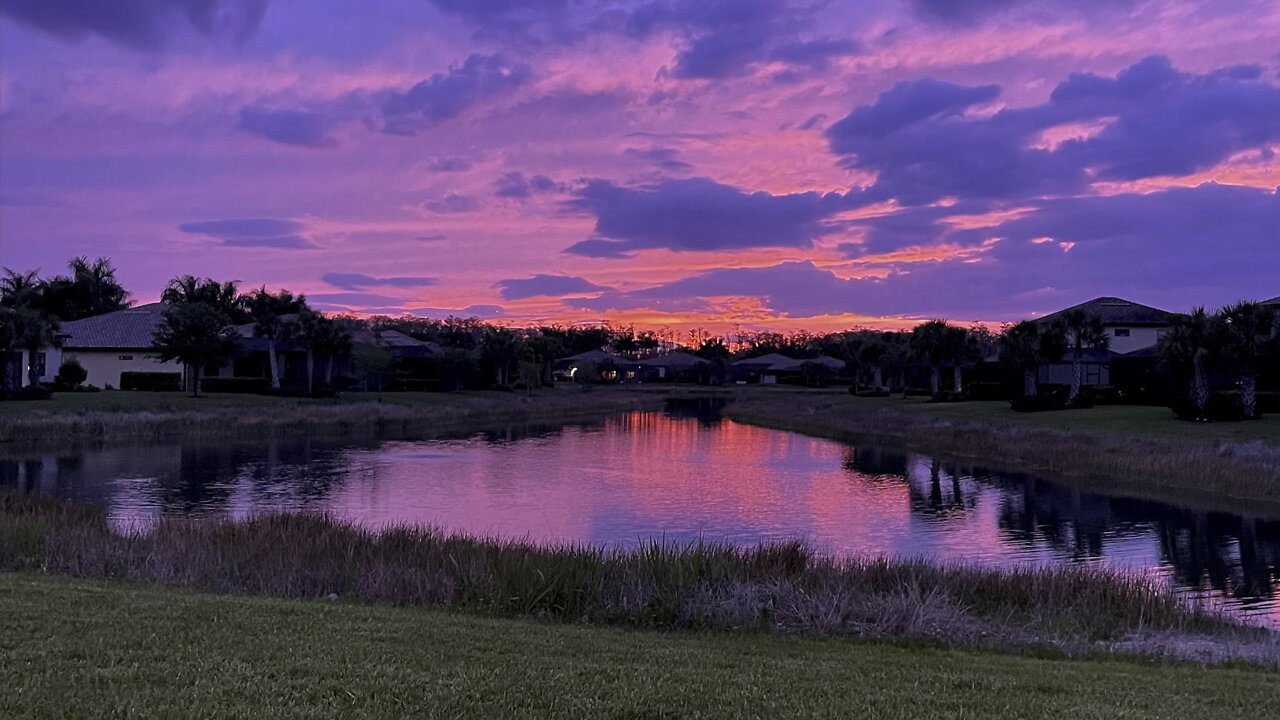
(783, 588)
(1142, 452)
(159, 416)
(80, 649)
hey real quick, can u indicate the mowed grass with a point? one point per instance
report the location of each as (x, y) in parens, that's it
(78, 649)
(1113, 420)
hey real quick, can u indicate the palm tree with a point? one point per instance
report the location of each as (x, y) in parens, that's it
(1247, 327)
(332, 341)
(28, 323)
(91, 289)
(223, 297)
(933, 342)
(1189, 345)
(872, 354)
(306, 329)
(1027, 346)
(1082, 331)
(267, 311)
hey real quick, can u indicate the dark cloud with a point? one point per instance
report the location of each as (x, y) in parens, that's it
(357, 281)
(971, 12)
(1152, 120)
(446, 95)
(517, 185)
(698, 214)
(252, 232)
(346, 300)
(729, 38)
(905, 104)
(290, 127)
(662, 157)
(1149, 245)
(451, 203)
(138, 24)
(470, 311)
(534, 21)
(546, 286)
(453, 163)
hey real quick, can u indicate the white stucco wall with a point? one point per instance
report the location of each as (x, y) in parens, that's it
(1139, 337)
(104, 366)
(52, 359)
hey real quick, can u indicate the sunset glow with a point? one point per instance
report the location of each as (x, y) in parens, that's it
(763, 164)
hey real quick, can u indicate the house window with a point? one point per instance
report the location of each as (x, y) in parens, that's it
(126, 357)
(37, 364)
(1122, 332)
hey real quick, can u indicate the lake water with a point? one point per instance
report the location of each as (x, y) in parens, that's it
(679, 475)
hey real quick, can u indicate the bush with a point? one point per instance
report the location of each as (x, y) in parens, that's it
(31, 392)
(260, 386)
(1050, 397)
(70, 374)
(417, 385)
(151, 381)
(1102, 395)
(987, 391)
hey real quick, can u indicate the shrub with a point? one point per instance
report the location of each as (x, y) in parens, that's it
(70, 374)
(31, 392)
(417, 385)
(259, 386)
(151, 381)
(987, 391)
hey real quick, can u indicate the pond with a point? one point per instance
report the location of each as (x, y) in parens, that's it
(679, 475)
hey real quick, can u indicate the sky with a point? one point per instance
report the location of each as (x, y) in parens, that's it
(766, 165)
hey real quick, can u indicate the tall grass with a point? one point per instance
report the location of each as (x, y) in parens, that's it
(782, 587)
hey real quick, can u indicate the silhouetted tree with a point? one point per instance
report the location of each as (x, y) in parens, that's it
(267, 311)
(91, 289)
(1082, 331)
(1026, 346)
(1189, 345)
(195, 334)
(1247, 327)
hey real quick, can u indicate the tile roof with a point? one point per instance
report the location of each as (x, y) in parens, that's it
(674, 360)
(1116, 311)
(132, 328)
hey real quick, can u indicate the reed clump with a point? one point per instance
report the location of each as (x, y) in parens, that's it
(782, 587)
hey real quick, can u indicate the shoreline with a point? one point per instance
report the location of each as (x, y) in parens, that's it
(772, 589)
(1163, 460)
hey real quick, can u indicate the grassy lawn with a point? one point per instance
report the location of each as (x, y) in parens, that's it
(132, 402)
(73, 649)
(1139, 420)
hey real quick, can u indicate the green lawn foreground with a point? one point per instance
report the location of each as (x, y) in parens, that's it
(72, 649)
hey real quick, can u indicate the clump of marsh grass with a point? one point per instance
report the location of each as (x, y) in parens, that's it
(782, 587)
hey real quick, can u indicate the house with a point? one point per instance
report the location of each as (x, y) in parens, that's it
(1132, 329)
(110, 344)
(677, 367)
(1129, 325)
(612, 367)
(776, 367)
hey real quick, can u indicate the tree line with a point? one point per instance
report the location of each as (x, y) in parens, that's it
(200, 329)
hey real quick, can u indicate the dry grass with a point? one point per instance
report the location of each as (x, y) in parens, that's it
(773, 588)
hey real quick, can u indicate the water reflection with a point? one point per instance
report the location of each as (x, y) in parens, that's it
(682, 474)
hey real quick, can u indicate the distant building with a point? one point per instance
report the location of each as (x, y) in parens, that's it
(775, 367)
(1132, 329)
(110, 344)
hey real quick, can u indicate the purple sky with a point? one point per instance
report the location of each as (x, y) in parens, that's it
(771, 164)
